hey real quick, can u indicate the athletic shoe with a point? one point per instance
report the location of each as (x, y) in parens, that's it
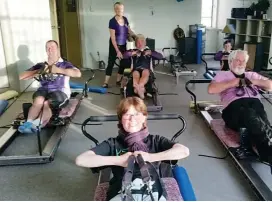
(26, 128)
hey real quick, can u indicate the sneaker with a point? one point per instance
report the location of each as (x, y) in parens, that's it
(105, 85)
(26, 128)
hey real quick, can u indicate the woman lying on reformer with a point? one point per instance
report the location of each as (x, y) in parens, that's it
(133, 139)
(141, 64)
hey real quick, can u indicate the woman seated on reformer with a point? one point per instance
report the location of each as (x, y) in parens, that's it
(223, 56)
(141, 64)
(133, 139)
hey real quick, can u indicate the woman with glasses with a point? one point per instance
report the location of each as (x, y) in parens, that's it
(133, 139)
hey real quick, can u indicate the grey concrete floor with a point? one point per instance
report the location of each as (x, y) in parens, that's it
(62, 180)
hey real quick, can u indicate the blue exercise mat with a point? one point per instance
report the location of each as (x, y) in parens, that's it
(184, 183)
(101, 90)
(3, 106)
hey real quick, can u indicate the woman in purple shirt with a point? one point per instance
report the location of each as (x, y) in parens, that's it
(119, 32)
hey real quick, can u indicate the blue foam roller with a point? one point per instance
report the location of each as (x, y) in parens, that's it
(184, 183)
(199, 46)
(3, 106)
(90, 89)
(76, 85)
(98, 90)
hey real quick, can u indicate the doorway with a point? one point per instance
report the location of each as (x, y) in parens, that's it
(68, 30)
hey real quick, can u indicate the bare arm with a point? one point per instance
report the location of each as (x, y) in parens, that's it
(69, 72)
(218, 87)
(131, 33)
(177, 152)
(90, 160)
(113, 40)
(264, 84)
(28, 74)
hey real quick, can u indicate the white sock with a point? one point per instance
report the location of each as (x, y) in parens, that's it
(37, 122)
(29, 120)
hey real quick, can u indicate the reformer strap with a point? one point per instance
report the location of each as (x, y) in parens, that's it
(149, 175)
(244, 83)
(127, 180)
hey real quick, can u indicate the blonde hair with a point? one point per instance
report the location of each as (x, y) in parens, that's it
(126, 103)
(139, 37)
(118, 4)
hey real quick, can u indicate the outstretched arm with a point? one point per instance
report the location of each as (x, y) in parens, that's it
(69, 70)
(218, 87)
(90, 160)
(177, 152)
(264, 84)
(156, 55)
(28, 75)
(31, 72)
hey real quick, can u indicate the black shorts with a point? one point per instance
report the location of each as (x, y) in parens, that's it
(140, 70)
(58, 97)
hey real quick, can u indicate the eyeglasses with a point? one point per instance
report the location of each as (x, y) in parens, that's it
(240, 61)
(129, 116)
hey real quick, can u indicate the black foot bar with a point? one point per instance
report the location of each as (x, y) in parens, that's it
(194, 81)
(115, 118)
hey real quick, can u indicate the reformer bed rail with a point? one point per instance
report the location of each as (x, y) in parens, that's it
(193, 95)
(110, 118)
(206, 64)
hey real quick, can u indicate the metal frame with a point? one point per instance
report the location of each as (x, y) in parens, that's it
(105, 173)
(48, 153)
(244, 166)
(156, 103)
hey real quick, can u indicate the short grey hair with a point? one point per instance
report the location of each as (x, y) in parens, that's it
(233, 54)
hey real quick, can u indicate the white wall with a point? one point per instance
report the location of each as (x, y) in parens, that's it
(25, 27)
(95, 16)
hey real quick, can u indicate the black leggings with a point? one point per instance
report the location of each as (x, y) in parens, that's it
(249, 113)
(112, 58)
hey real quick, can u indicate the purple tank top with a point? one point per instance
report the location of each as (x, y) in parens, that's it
(121, 32)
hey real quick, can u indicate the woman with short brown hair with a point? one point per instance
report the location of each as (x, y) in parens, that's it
(133, 139)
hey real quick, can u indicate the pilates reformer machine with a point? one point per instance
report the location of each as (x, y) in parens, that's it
(178, 187)
(211, 113)
(57, 125)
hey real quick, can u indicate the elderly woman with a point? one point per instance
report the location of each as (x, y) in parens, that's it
(119, 32)
(133, 139)
(141, 64)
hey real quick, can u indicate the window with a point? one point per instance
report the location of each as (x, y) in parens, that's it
(208, 13)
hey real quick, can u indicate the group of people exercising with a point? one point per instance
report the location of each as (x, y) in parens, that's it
(238, 89)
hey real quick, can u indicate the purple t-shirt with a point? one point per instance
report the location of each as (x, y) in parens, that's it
(121, 32)
(62, 81)
(229, 95)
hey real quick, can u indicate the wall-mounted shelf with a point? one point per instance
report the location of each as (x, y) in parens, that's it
(253, 31)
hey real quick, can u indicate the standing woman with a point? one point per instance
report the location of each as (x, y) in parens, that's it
(119, 32)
